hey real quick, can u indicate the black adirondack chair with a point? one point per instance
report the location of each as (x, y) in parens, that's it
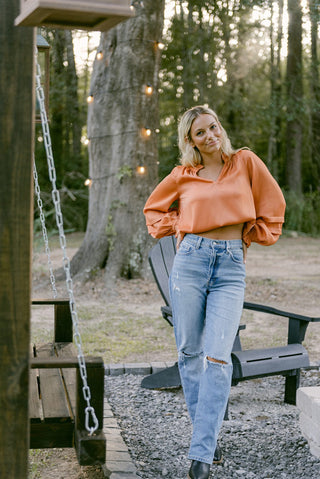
(247, 364)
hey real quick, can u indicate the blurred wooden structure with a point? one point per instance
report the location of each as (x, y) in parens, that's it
(83, 15)
(56, 402)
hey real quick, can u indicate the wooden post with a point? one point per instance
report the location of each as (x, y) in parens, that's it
(16, 146)
(90, 449)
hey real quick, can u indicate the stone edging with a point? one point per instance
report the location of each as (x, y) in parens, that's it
(136, 368)
(119, 464)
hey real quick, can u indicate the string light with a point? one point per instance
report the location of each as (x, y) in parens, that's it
(159, 45)
(148, 89)
(90, 98)
(141, 170)
(89, 181)
(146, 132)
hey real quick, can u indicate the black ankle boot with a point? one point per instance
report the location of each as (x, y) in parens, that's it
(199, 470)
(218, 457)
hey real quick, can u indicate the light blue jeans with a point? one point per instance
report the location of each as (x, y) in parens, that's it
(207, 284)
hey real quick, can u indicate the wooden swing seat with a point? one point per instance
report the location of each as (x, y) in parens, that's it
(56, 403)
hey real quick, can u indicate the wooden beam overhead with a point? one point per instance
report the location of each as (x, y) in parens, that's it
(74, 14)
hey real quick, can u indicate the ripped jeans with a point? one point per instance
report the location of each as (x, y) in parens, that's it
(207, 284)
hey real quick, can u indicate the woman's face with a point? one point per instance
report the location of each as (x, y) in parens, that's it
(205, 134)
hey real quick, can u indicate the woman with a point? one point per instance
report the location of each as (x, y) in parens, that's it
(225, 200)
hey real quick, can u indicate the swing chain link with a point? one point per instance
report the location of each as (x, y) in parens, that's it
(89, 410)
(44, 228)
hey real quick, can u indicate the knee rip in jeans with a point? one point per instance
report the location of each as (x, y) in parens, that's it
(190, 355)
(213, 360)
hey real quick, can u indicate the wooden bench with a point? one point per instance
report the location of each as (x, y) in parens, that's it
(56, 402)
(247, 364)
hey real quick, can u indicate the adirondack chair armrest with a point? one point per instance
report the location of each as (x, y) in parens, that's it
(297, 323)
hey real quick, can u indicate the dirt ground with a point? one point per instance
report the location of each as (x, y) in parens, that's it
(125, 324)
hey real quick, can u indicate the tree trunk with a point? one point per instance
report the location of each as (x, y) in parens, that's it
(56, 101)
(116, 236)
(275, 93)
(72, 105)
(186, 56)
(294, 97)
(315, 94)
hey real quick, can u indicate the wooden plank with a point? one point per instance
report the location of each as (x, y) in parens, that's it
(54, 362)
(48, 435)
(35, 407)
(16, 151)
(95, 379)
(69, 375)
(54, 404)
(91, 450)
(63, 328)
(50, 301)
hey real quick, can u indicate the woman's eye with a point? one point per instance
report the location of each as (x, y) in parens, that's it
(199, 133)
(213, 127)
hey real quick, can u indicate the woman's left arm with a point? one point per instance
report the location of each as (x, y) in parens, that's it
(269, 205)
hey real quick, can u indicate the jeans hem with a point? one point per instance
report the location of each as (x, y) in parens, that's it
(200, 459)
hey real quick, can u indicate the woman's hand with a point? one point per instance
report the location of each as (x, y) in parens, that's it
(179, 239)
(245, 250)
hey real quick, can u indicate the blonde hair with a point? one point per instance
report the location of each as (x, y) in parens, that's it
(191, 156)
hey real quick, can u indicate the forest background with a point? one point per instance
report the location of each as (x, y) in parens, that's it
(255, 62)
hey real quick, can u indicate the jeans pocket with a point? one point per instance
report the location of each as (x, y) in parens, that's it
(186, 248)
(236, 255)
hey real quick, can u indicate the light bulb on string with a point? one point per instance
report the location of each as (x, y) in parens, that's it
(86, 142)
(146, 132)
(90, 98)
(159, 45)
(88, 182)
(141, 170)
(99, 55)
(148, 89)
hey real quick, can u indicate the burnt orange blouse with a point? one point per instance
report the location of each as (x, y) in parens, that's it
(245, 192)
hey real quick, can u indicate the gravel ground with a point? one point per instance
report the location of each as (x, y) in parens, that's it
(261, 440)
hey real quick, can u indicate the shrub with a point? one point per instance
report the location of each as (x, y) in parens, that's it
(303, 212)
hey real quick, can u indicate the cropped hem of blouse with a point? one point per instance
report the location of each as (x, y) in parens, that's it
(245, 192)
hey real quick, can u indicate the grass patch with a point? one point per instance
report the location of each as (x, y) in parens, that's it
(263, 331)
(115, 335)
(121, 337)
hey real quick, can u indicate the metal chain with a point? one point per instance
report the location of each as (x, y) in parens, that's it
(44, 228)
(89, 410)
